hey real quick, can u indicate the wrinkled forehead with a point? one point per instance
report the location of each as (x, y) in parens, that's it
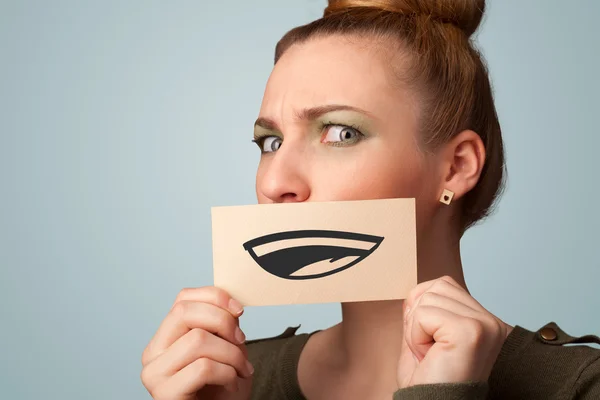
(333, 70)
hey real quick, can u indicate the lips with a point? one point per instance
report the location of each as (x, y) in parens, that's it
(310, 254)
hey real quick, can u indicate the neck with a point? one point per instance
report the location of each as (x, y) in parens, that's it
(370, 334)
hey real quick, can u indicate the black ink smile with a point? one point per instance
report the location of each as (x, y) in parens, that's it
(286, 261)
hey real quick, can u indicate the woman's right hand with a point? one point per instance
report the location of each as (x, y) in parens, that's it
(198, 351)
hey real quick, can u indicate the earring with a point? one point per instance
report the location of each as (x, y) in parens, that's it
(447, 196)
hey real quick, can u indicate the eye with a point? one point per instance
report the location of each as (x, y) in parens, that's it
(341, 133)
(269, 144)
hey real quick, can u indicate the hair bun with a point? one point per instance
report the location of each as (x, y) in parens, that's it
(465, 14)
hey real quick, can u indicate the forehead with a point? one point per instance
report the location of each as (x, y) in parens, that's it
(333, 70)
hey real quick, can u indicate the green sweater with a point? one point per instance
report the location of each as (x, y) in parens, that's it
(531, 365)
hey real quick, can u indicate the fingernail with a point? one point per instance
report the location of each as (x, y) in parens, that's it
(235, 307)
(406, 314)
(249, 367)
(239, 335)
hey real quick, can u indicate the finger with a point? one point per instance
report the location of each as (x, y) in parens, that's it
(187, 315)
(242, 344)
(450, 289)
(458, 293)
(452, 281)
(425, 286)
(416, 292)
(430, 325)
(196, 344)
(447, 287)
(194, 377)
(208, 294)
(434, 299)
(212, 295)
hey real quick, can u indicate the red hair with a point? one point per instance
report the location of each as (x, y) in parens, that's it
(445, 68)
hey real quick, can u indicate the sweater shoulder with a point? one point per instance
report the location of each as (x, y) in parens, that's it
(275, 362)
(549, 364)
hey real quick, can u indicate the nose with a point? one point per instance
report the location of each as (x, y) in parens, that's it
(282, 179)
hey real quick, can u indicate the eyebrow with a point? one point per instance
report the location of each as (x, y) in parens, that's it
(309, 114)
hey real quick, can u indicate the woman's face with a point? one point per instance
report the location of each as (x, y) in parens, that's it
(335, 124)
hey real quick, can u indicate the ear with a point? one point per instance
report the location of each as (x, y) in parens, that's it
(462, 162)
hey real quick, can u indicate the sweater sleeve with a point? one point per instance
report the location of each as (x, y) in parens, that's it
(444, 391)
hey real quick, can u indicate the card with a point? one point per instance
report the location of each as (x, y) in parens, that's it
(315, 252)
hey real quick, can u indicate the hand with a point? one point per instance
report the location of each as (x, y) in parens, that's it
(448, 336)
(198, 351)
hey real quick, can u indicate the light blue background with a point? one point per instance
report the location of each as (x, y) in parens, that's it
(123, 122)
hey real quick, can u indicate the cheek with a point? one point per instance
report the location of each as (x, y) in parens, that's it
(370, 175)
(380, 175)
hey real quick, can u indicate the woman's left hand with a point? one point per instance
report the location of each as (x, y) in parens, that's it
(448, 336)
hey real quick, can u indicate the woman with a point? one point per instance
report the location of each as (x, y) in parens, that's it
(377, 99)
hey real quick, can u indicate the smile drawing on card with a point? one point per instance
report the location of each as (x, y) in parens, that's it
(310, 254)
